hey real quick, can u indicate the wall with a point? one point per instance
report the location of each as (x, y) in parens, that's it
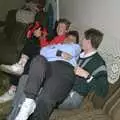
(6, 5)
(101, 14)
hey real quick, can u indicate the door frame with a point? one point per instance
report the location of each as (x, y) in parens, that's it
(58, 11)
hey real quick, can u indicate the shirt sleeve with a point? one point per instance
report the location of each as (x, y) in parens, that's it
(76, 52)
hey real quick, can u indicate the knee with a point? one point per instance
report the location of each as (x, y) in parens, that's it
(41, 60)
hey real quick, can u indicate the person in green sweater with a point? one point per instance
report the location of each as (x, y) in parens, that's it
(91, 76)
(91, 73)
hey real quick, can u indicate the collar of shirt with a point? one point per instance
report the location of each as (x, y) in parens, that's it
(82, 55)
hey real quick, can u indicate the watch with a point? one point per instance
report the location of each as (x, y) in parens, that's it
(88, 77)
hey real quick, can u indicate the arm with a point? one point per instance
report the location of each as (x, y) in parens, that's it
(81, 72)
(49, 53)
(75, 52)
(53, 51)
(64, 55)
(99, 84)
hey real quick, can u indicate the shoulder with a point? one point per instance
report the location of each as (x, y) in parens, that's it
(96, 65)
(101, 68)
(98, 59)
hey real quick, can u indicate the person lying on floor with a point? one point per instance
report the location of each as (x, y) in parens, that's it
(53, 75)
(30, 50)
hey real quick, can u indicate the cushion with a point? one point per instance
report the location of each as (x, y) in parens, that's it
(113, 66)
(25, 16)
(77, 114)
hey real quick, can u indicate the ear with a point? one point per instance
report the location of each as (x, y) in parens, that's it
(89, 42)
(67, 30)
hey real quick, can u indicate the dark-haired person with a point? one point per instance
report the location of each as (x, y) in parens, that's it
(30, 50)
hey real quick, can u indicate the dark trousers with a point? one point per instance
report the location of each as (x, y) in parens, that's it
(56, 78)
(31, 50)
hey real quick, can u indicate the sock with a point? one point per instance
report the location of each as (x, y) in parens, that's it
(23, 60)
(12, 89)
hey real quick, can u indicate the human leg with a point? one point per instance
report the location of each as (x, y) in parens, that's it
(55, 90)
(10, 93)
(73, 101)
(14, 80)
(29, 51)
(36, 75)
(18, 98)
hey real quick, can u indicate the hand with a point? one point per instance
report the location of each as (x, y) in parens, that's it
(66, 56)
(29, 34)
(81, 72)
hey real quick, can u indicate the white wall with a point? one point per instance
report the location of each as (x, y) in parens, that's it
(100, 14)
(6, 5)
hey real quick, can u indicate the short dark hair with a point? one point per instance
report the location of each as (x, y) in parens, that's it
(75, 34)
(65, 21)
(95, 36)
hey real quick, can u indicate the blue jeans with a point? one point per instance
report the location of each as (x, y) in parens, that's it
(74, 100)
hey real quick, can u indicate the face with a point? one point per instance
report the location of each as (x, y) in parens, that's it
(61, 29)
(70, 39)
(85, 44)
(37, 33)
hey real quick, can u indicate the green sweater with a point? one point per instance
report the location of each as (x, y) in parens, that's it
(96, 67)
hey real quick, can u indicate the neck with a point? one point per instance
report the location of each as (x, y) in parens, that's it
(89, 51)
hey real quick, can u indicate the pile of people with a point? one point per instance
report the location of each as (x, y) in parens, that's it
(63, 71)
